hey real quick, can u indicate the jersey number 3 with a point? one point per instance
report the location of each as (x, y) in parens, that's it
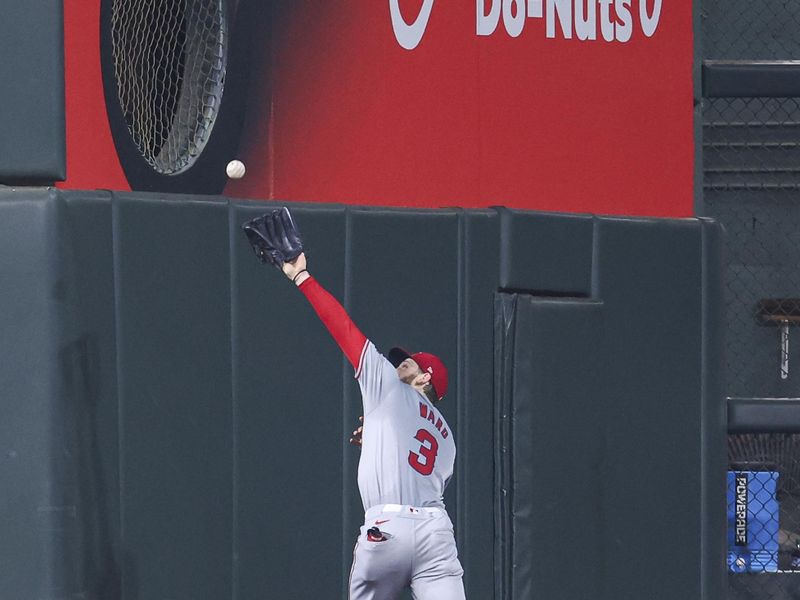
(427, 452)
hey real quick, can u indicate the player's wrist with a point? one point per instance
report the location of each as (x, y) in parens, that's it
(300, 277)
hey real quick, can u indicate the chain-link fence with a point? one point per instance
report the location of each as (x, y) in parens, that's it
(751, 154)
(751, 184)
(750, 29)
(764, 516)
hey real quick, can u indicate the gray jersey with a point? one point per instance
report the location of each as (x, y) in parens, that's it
(407, 448)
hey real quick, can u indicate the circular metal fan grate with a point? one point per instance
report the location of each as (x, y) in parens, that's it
(169, 63)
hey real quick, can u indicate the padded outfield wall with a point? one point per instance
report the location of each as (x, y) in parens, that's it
(176, 418)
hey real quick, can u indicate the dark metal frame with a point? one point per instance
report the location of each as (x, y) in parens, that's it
(751, 78)
(763, 415)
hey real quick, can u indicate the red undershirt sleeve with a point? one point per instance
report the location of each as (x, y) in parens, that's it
(335, 318)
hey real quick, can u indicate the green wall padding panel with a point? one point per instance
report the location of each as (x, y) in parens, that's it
(177, 418)
(32, 122)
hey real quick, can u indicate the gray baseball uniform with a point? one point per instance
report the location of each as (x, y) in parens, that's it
(407, 458)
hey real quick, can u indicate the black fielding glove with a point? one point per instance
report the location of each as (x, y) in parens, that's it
(274, 237)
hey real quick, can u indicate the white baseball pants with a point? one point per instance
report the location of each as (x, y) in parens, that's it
(412, 546)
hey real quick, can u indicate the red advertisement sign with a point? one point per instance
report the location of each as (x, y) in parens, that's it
(565, 105)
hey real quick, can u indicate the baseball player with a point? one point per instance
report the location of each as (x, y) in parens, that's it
(407, 458)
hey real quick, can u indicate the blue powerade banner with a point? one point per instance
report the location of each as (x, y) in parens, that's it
(752, 521)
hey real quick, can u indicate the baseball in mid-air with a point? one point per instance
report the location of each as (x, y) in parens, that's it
(235, 169)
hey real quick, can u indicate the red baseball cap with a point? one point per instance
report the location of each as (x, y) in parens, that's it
(429, 363)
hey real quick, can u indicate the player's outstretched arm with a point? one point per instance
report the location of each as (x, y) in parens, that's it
(329, 310)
